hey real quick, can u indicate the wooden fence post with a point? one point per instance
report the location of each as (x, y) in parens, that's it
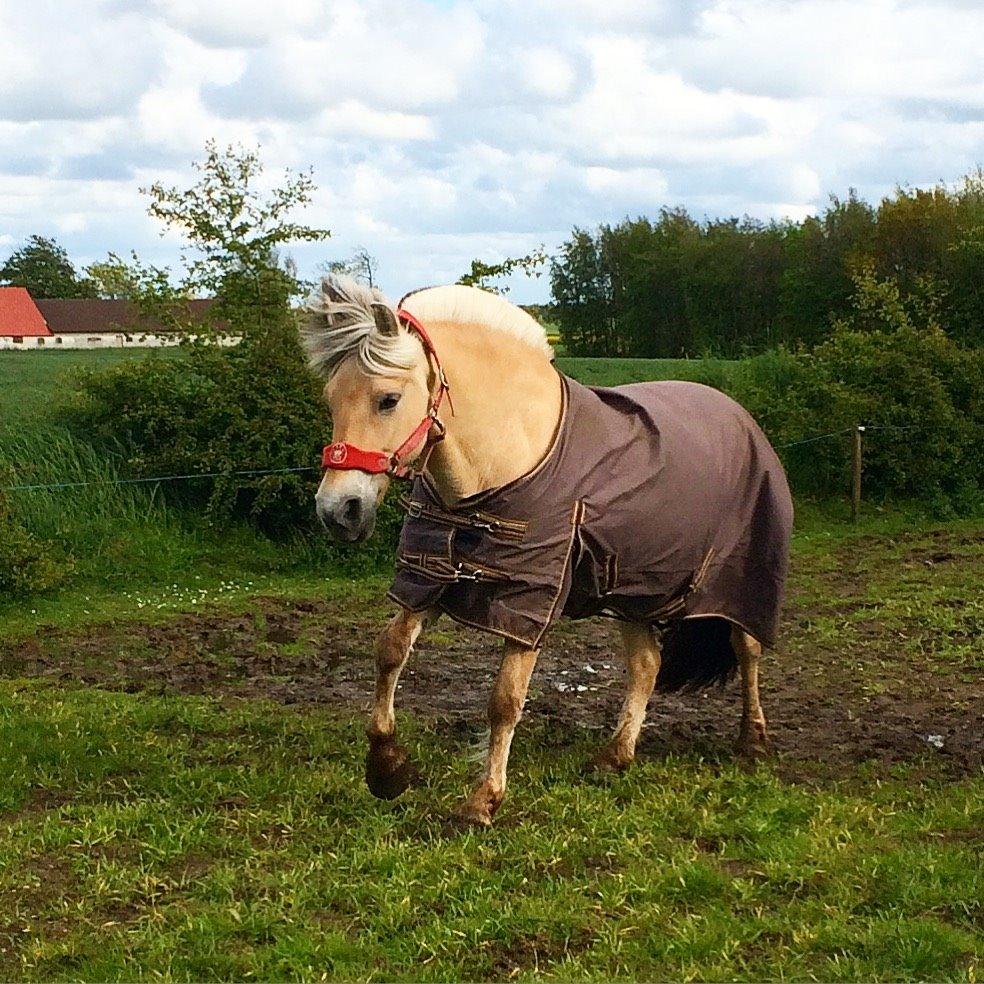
(856, 474)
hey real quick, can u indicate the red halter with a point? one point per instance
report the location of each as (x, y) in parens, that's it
(342, 456)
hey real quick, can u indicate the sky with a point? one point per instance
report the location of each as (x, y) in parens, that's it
(442, 130)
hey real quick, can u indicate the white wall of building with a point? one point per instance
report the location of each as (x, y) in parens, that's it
(52, 343)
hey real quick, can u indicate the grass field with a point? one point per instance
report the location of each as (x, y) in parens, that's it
(31, 383)
(167, 817)
(181, 742)
(613, 372)
(125, 536)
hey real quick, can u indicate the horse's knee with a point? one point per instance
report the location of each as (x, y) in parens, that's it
(393, 644)
(505, 708)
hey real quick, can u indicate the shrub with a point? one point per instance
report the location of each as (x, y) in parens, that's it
(27, 565)
(252, 407)
(247, 408)
(890, 367)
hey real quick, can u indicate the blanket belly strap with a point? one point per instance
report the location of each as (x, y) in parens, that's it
(440, 569)
(506, 529)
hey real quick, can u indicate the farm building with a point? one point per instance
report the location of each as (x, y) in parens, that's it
(29, 324)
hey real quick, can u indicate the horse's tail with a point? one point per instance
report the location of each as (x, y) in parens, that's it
(696, 653)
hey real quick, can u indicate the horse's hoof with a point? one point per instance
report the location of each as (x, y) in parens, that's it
(608, 762)
(479, 809)
(754, 747)
(389, 771)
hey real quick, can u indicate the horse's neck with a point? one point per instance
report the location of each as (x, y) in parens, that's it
(507, 404)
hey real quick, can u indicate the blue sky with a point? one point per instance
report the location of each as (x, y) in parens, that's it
(444, 130)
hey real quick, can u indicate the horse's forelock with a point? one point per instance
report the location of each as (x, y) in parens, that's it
(341, 322)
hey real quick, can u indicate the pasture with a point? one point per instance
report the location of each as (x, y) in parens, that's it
(183, 741)
(30, 384)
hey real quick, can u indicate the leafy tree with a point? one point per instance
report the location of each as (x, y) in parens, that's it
(233, 231)
(43, 267)
(361, 264)
(670, 286)
(483, 275)
(249, 407)
(114, 279)
(582, 290)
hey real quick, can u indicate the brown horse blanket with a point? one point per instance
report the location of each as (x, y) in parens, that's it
(657, 502)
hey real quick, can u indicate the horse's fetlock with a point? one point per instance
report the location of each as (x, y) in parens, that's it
(481, 806)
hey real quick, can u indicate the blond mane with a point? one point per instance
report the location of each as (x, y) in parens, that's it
(458, 304)
(341, 321)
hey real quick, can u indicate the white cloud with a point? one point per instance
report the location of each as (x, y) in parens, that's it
(449, 129)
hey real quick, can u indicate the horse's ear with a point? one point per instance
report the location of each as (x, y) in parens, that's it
(334, 289)
(385, 318)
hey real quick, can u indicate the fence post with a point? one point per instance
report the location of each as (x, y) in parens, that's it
(856, 474)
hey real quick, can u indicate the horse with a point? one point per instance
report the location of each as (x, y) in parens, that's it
(659, 504)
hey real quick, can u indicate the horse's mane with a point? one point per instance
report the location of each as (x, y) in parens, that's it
(341, 322)
(469, 305)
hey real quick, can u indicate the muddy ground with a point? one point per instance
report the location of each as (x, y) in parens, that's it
(861, 693)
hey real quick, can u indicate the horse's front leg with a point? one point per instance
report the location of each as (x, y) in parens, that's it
(505, 710)
(388, 767)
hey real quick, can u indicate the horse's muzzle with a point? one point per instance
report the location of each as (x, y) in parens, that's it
(349, 518)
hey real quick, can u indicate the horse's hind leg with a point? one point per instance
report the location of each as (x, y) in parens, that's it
(641, 653)
(388, 767)
(753, 738)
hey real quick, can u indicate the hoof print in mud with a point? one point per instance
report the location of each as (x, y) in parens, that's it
(389, 771)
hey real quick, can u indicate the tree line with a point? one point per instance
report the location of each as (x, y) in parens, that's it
(675, 286)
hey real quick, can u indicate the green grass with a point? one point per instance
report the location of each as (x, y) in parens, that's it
(180, 838)
(115, 537)
(31, 383)
(614, 372)
(197, 838)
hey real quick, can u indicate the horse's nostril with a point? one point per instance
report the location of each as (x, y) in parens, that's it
(352, 512)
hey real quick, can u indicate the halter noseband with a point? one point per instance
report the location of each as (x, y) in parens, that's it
(342, 456)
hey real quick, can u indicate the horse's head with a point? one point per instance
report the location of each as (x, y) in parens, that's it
(377, 392)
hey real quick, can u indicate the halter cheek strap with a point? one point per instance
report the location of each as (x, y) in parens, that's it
(342, 456)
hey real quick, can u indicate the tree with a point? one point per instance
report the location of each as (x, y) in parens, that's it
(481, 274)
(582, 289)
(219, 410)
(43, 267)
(234, 232)
(361, 264)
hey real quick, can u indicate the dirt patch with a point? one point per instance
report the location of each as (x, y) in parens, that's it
(43, 879)
(38, 801)
(529, 953)
(864, 693)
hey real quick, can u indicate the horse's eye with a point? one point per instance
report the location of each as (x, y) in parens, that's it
(388, 402)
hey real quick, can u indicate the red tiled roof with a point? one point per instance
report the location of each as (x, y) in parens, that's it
(19, 315)
(82, 316)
